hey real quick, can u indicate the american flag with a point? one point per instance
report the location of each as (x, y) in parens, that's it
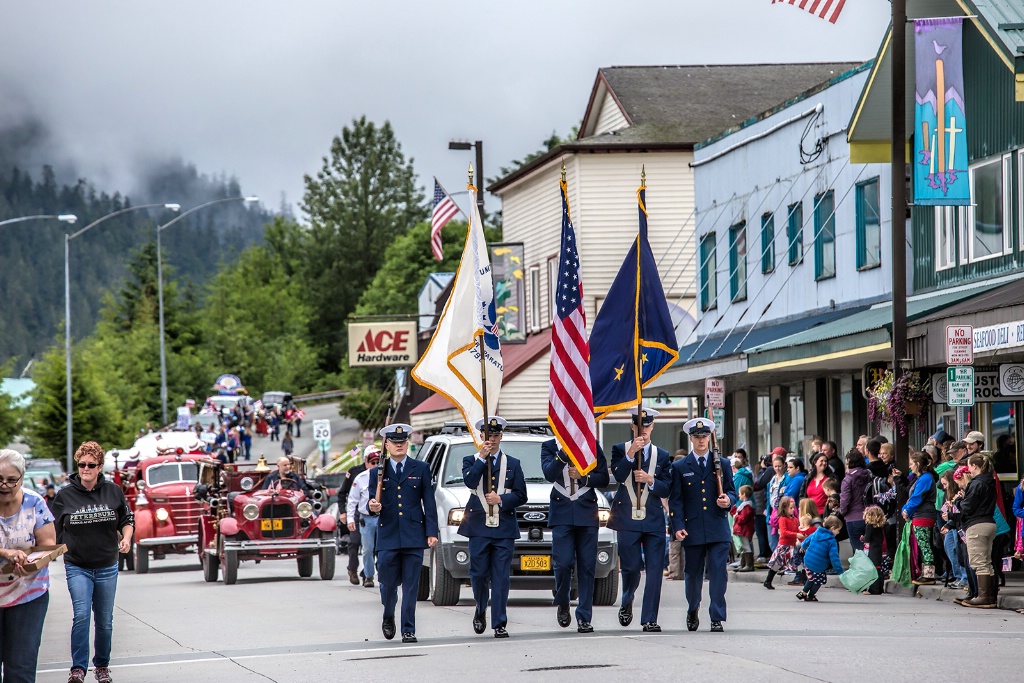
(826, 9)
(570, 398)
(444, 210)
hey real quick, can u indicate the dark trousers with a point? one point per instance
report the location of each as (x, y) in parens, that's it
(21, 629)
(400, 568)
(717, 556)
(891, 541)
(354, 540)
(490, 565)
(761, 529)
(575, 546)
(631, 544)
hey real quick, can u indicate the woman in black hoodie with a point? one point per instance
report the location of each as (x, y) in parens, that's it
(94, 520)
(977, 506)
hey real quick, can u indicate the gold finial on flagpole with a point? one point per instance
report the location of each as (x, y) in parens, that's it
(643, 177)
(563, 170)
(470, 173)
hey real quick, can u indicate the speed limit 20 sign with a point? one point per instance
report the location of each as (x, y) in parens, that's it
(322, 430)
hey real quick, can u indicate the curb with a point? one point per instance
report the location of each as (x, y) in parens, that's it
(934, 592)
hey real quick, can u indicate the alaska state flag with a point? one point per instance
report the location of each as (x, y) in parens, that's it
(633, 340)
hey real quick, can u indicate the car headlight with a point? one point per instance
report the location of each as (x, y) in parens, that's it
(304, 509)
(162, 515)
(250, 512)
(603, 516)
(455, 516)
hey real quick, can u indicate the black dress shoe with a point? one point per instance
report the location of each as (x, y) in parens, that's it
(388, 627)
(584, 627)
(626, 614)
(716, 627)
(692, 621)
(479, 623)
(500, 632)
(409, 638)
(652, 627)
(564, 619)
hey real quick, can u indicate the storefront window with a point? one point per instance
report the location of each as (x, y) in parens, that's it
(764, 424)
(846, 436)
(1002, 440)
(796, 422)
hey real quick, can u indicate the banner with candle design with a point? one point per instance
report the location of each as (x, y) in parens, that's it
(940, 132)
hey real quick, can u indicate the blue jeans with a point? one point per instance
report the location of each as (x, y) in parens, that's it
(856, 530)
(92, 591)
(368, 539)
(949, 542)
(21, 628)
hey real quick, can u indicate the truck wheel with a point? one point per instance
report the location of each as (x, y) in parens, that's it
(141, 560)
(211, 566)
(445, 587)
(230, 567)
(606, 590)
(424, 590)
(305, 566)
(327, 563)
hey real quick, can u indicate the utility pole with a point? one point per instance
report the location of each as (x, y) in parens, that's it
(899, 205)
(479, 147)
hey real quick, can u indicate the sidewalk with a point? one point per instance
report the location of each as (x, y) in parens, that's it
(1011, 596)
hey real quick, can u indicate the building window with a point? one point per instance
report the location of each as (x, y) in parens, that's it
(767, 243)
(534, 298)
(738, 261)
(948, 219)
(795, 233)
(989, 232)
(708, 275)
(1020, 195)
(552, 285)
(824, 236)
(869, 225)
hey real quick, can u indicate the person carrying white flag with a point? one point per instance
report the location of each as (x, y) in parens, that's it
(451, 365)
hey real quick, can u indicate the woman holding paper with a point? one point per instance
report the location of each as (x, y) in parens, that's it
(93, 519)
(25, 522)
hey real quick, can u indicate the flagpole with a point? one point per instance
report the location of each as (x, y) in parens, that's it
(483, 379)
(636, 340)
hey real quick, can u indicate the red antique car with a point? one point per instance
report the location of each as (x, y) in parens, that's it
(160, 492)
(240, 521)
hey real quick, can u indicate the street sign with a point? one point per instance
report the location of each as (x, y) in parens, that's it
(718, 417)
(714, 391)
(322, 430)
(959, 345)
(960, 386)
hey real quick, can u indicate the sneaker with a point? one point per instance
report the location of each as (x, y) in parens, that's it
(102, 674)
(367, 582)
(77, 676)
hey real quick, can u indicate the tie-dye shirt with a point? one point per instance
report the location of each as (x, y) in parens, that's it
(19, 532)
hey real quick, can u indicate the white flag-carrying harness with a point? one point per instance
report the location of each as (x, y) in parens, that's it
(640, 511)
(564, 486)
(451, 364)
(492, 520)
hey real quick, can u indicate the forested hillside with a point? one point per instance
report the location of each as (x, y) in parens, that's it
(32, 253)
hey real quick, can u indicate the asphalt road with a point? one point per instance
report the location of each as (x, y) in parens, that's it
(343, 430)
(273, 626)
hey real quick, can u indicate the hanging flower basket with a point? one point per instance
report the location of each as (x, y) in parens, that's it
(898, 404)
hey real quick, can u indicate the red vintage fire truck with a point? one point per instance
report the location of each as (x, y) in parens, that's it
(241, 521)
(160, 492)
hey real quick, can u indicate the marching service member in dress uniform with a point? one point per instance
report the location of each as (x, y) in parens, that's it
(699, 507)
(490, 524)
(408, 524)
(572, 516)
(638, 516)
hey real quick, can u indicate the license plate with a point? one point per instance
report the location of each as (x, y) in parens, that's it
(272, 525)
(535, 563)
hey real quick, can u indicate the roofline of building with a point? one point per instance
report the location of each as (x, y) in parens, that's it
(821, 87)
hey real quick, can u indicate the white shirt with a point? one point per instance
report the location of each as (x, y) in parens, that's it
(359, 495)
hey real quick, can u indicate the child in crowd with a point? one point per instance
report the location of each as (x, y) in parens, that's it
(874, 536)
(743, 528)
(832, 504)
(782, 556)
(820, 550)
(810, 520)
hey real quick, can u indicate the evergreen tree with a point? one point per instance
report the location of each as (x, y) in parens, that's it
(10, 416)
(364, 196)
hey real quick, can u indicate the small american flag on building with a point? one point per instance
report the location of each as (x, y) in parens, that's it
(826, 9)
(444, 210)
(570, 397)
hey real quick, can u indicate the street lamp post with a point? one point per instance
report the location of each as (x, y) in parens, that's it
(63, 217)
(479, 146)
(160, 289)
(67, 307)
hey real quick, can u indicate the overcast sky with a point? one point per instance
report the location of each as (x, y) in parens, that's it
(257, 89)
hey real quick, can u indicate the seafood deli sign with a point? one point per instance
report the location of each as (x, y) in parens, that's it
(1002, 336)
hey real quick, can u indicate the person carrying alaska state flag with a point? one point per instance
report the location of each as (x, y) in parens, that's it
(451, 364)
(633, 340)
